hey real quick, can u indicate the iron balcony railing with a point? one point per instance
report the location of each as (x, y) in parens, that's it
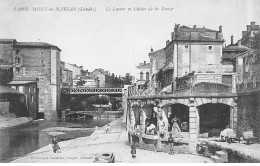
(207, 84)
(200, 83)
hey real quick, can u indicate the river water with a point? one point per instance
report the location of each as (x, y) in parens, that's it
(19, 141)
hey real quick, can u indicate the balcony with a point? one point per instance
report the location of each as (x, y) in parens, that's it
(199, 83)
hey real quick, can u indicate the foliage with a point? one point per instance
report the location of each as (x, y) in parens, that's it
(81, 82)
(160, 78)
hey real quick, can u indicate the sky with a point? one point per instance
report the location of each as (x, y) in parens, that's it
(118, 40)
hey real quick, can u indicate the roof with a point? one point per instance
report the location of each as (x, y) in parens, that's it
(236, 47)
(17, 78)
(5, 89)
(158, 52)
(183, 28)
(143, 65)
(248, 53)
(20, 82)
(229, 55)
(35, 44)
(5, 67)
(197, 38)
(7, 40)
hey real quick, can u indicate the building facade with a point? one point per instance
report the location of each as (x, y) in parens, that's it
(104, 79)
(144, 75)
(248, 35)
(39, 60)
(202, 90)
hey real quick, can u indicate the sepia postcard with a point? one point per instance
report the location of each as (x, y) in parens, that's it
(133, 81)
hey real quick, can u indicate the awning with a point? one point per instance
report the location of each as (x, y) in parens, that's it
(20, 82)
(167, 89)
(5, 89)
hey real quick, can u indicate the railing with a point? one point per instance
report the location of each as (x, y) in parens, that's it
(134, 91)
(198, 83)
(203, 84)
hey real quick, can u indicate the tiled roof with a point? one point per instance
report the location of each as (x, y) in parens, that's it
(5, 89)
(158, 52)
(20, 82)
(229, 55)
(17, 78)
(185, 28)
(36, 44)
(236, 47)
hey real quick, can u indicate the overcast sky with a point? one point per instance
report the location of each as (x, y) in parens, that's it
(118, 40)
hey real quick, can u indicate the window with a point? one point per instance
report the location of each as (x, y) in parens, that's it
(42, 62)
(32, 99)
(34, 89)
(17, 60)
(17, 70)
(141, 75)
(42, 53)
(210, 48)
(147, 75)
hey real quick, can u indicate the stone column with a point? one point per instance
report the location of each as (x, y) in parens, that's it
(142, 126)
(165, 117)
(233, 83)
(159, 144)
(234, 118)
(193, 121)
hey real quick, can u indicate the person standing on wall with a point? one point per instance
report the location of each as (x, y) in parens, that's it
(135, 140)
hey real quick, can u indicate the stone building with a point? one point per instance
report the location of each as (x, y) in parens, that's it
(66, 78)
(144, 76)
(28, 86)
(248, 35)
(230, 54)
(39, 60)
(202, 97)
(103, 78)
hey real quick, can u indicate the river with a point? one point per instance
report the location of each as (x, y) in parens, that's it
(19, 141)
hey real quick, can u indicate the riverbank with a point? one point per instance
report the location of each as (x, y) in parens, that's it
(84, 150)
(9, 122)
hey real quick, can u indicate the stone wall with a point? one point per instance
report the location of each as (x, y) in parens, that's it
(4, 108)
(248, 110)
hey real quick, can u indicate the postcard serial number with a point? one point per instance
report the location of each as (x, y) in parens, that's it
(21, 9)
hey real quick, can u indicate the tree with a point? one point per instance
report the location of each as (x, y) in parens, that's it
(128, 79)
(81, 82)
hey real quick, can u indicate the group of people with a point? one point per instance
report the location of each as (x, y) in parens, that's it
(152, 130)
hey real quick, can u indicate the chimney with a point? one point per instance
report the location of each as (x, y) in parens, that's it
(194, 28)
(151, 49)
(178, 28)
(167, 42)
(173, 37)
(220, 28)
(252, 24)
(144, 62)
(232, 39)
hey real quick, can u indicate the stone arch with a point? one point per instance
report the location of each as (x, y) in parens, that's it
(227, 101)
(168, 102)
